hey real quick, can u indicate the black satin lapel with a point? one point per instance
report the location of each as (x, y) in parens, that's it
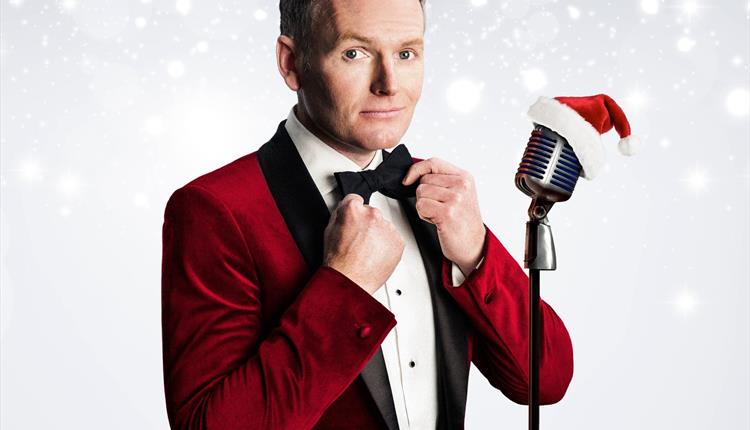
(375, 376)
(296, 195)
(306, 215)
(451, 326)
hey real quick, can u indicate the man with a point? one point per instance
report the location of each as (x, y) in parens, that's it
(289, 305)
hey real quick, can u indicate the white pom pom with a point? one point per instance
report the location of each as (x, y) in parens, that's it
(629, 145)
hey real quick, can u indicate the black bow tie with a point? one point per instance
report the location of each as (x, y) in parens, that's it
(386, 178)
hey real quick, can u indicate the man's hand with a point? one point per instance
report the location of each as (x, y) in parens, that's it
(361, 244)
(447, 197)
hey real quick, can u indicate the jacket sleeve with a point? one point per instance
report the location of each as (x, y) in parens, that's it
(219, 374)
(495, 298)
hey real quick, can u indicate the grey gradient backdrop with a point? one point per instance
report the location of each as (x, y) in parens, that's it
(109, 105)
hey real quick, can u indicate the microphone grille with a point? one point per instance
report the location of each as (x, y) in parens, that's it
(549, 168)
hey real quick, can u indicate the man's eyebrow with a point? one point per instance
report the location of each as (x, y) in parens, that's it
(416, 41)
(351, 36)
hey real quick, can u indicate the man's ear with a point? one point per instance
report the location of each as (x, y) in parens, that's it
(286, 62)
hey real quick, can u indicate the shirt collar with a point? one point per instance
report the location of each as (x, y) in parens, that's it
(320, 159)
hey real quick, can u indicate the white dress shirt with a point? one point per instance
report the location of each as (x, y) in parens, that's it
(409, 348)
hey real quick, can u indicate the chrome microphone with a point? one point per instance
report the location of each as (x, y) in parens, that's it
(548, 173)
(549, 169)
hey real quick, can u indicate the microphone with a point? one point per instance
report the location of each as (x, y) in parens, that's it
(549, 169)
(548, 173)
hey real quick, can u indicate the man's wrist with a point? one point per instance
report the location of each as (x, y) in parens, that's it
(468, 266)
(466, 270)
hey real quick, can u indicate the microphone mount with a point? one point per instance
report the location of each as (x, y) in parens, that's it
(539, 252)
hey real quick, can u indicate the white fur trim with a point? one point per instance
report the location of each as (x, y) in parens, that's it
(629, 145)
(580, 134)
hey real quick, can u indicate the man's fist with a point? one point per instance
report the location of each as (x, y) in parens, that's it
(361, 244)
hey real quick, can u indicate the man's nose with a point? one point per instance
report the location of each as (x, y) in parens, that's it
(385, 82)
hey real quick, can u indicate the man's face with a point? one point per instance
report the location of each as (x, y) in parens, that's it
(367, 56)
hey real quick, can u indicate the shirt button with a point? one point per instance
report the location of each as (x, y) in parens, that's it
(364, 331)
(398, 292)
(412, 363)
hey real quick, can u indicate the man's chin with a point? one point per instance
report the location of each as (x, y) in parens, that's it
(380, 139)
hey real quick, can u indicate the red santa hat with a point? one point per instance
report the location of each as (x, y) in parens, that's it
(581, 121)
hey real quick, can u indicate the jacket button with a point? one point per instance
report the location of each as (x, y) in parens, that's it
(364, 331)
(488, 297)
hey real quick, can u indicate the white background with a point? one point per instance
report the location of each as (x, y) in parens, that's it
(109, 105)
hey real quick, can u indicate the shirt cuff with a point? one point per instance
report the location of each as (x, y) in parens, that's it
(458, 276)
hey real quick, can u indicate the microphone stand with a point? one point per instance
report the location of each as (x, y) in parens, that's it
(539, 255)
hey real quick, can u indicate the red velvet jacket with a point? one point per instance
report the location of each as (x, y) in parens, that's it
(258, 335)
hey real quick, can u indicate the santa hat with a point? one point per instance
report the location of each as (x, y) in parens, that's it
(581, 121)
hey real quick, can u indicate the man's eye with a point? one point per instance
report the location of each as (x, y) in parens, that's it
(351, 54)
(401, 55)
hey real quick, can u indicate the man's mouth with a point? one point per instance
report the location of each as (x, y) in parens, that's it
(382, 113)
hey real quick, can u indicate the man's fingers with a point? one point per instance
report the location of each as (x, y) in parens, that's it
(352, 196)
(434, 192)
(442, 180)
(430, 165)
(429, 210)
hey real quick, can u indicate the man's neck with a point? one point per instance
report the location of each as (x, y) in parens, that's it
(361, 157)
